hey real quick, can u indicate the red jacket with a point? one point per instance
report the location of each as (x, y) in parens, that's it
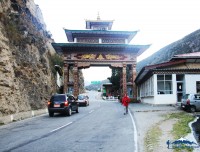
(125, 101)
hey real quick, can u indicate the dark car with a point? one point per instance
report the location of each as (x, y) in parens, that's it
(62, 103)
(83, 100)
(191, 102)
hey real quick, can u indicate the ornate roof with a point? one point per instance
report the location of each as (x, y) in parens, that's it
(86, 47)
(90, 23)
(71, 34)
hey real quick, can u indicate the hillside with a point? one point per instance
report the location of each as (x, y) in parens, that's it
(188, 44)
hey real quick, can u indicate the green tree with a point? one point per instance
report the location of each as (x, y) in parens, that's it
(56, 60)
(115, 78)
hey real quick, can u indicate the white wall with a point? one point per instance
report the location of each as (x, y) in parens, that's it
(190, 82)
(149, 100)
(162, 98)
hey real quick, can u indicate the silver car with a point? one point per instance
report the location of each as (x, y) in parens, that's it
(83, 100)
(191, 102)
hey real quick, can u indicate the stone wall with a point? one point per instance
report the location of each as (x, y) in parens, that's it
(26, 80)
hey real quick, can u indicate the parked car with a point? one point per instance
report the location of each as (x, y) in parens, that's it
(191, 102)
(62, 103)
(83, 100)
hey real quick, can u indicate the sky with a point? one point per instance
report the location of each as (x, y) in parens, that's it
(158, 22)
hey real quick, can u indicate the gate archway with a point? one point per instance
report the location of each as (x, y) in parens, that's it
(100, 46)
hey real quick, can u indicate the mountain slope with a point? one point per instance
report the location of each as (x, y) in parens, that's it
(188, 44)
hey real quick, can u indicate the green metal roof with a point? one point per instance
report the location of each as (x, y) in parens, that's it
(71, 34)
(65, 47)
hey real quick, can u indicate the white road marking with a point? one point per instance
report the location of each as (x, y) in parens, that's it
(91, 111)
(61, 127)
(135, 132)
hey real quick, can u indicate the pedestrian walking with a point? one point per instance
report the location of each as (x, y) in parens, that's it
(125, 102)
(118, 97)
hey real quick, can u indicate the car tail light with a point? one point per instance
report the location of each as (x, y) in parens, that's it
(48, 103)
(187, 101)
(66, 103)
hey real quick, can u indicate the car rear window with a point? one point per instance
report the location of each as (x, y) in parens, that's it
(186, 96)
(81, 97)
(58, 98)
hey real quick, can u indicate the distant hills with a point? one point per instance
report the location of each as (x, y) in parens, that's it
(188, 44)
(96, 86)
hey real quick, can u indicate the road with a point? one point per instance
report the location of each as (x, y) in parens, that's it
(99, 127)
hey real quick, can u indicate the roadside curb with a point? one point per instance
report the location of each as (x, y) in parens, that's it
(21, 116)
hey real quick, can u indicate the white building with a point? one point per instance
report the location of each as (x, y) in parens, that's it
(167, 82)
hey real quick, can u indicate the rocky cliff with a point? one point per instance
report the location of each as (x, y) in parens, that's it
(26, 80)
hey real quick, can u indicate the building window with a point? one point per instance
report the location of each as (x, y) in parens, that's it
(146, 89)
(198, 86)
(164, 84)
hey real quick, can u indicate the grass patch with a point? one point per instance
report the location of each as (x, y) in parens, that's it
(181, 128)
(152, 138)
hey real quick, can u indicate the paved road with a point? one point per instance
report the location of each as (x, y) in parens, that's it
(100, 127)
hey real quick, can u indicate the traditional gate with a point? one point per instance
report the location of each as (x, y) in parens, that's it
(99, 46)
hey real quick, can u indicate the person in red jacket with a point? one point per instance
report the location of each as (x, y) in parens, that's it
(125, 102)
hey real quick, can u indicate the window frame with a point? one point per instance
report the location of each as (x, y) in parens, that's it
(166, 84)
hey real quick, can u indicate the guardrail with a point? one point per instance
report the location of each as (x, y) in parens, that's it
(21, 115)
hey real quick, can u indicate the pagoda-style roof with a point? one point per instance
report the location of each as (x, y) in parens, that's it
(86, 47)
(71, 34)
(90, 23)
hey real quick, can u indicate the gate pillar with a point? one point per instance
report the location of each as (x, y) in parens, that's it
(76, 82)
(124, 82)
(66, 78)
(134, 77)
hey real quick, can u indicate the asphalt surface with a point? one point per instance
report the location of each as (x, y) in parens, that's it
(100, 127)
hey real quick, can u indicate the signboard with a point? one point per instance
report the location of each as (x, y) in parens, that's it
(95, 82)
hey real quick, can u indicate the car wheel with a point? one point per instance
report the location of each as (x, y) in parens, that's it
(192, 109)
(69, 112)
(51, 114)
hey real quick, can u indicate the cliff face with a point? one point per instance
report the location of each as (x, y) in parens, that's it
(26, 81)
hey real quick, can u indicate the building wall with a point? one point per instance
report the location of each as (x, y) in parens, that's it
(162, 98)
(165, 98)
(149, 100)
(190, 81)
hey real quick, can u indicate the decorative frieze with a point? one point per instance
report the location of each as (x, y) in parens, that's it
(101, 56)
(87, 40)
(113, 40)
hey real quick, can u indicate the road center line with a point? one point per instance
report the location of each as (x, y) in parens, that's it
(61, 127)
(135, 132)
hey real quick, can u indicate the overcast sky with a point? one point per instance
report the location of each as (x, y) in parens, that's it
(159, 22)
